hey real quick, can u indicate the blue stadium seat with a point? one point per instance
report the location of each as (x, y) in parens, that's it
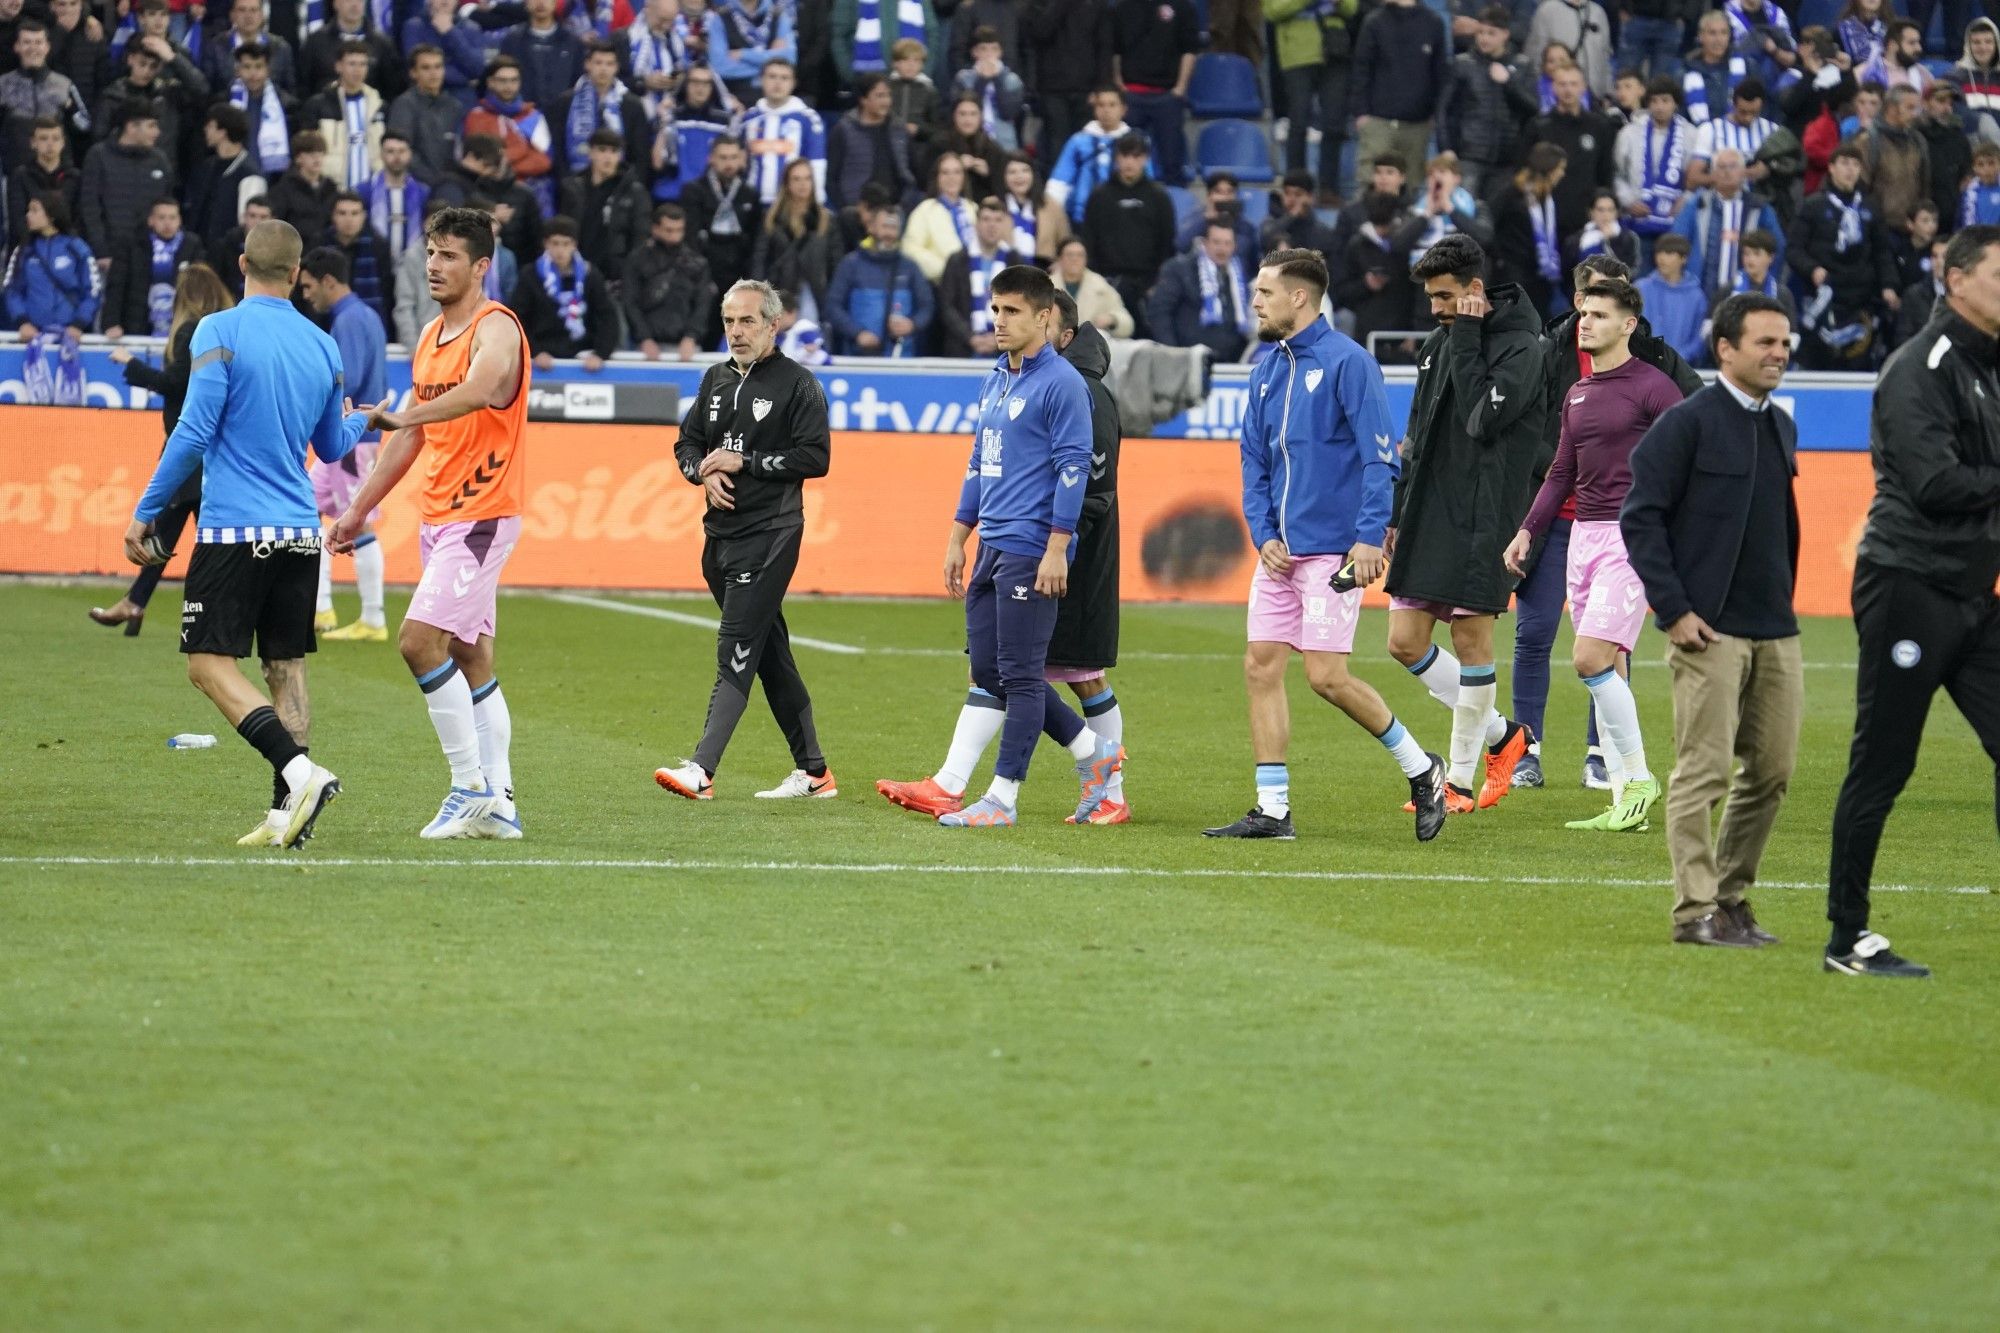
(1256, 206)
(1224, 86)
(1818, 14)
(1186, 207)
(1237, 146)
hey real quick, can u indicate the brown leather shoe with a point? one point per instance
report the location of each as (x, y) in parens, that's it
(121, 612)
(1713, 929)
(1745, 920)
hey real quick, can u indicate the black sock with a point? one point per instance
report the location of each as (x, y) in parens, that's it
(816, 771)
(263, 730)
(281, 790)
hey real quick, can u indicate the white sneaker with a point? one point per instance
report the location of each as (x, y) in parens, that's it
(689, 779)
(801, 783)
(302, 810)
(502, 821)
(270, 833)
(461, 816)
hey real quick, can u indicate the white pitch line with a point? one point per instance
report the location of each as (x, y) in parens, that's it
(855, 650)
(906, 868)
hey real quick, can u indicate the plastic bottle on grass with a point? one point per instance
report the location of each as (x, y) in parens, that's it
(190, 740)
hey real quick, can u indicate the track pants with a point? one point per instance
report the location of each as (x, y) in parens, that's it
(748, 577)
(1914, 638)
(1007, 629)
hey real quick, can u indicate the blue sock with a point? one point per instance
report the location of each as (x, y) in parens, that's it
(1099, 704)
(1274, 790)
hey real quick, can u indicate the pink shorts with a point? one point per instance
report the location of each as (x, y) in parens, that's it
(335, 484)
(461, 584)
(1072, 675)
(1301, 610)
(1606, 599)
(1435, 610)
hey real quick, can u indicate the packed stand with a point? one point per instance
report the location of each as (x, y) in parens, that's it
(881, 160)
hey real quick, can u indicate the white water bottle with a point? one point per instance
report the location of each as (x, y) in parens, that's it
(190, 740)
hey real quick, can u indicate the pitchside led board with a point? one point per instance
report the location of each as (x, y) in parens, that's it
(607, 508)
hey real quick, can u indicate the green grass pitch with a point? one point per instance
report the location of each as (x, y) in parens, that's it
(820, 1065)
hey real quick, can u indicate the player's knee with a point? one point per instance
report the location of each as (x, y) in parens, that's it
(419, 647)
(1594, 660)
(1328, 678)
(1264, 668)
(1406, 647)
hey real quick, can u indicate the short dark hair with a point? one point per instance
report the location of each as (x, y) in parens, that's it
(51, 123)
(352, 48)
(1395, 160)
(983, 34)
(485, 148)
(399, 136)
(669, 211)
(1600, 268)
(1758, 239)
(1750, 90)
(502, 62)
(257, 201)
(1969, 246)
(472, 225)
(992, 204)
(1544, 158)
(1025, 280)
(1620, 293)
(348, 197)
(1215, 178)
(1298, 265)
(1848, 150)
(29, 23)
(1897, 27)
(559, 226)
(1985, 151)
(1727, 322)
(1663, 85)
(1456, 256)
(234, 125)
(606, 137)
(131, 109)
(865, 84)
(1132, 144)
(308, 141)
(327, 262)
(1497, 16)
(875, 196)
(422, 49)
(55, 206)
(1066, 312)
(1068, 241)
(1110, 89)
(1223, 225)
(1673, 243)
(1299, 180)
(599, 47)
(253, 51)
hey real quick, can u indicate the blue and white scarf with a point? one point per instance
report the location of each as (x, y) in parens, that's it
(1853, 217)
(655, 55)
(396, 212)
(1212, 311)
(52, 370)
(963, 216)
(1768, 287)
(354, 109)
(567, 293)
(160, 289)
(1664, 176)
(271, 137)
(1024, 226)
(1694, 90)
(588, 112)
(876, 33)
(1548, 245)
(757, 30)
(979, 271)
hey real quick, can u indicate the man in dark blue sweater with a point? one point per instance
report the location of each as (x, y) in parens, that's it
(1402, 64)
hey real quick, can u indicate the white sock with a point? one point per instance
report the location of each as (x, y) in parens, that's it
(1496, 727)
(1403, 747)
(277, 819)
(1476, 691)
(1438, 670)
(1085, 744)
(298, 770)
(1110, 725)
(495, 725)
(978, 724)
(368, 574)
(449, 700)
(325, 581)
(1618, 720)
(1007, 791)
(1274, 790)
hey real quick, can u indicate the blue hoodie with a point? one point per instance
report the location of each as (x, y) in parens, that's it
(52, 282)
(1677, 312)
(1320, 454)
(1030, 455)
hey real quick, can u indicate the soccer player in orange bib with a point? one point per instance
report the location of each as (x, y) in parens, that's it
(470, 369)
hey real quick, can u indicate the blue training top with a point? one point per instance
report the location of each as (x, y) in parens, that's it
(265, 383)
(1320, 454)
(1030, 455)
(364, 352)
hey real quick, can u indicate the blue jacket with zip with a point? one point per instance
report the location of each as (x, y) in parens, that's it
(1320, 455)
(52, 283)
(1030, 455)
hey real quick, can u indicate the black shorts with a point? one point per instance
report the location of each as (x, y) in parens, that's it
(237, 590)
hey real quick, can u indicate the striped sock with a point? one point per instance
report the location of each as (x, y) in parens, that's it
(449, 700)
(1274, 790)
(1478, 686)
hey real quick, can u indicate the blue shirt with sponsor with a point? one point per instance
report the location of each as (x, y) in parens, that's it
(266, 382)
(1320, 455)
(1030, 455)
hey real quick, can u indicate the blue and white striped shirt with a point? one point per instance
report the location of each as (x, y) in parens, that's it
(1723, 132)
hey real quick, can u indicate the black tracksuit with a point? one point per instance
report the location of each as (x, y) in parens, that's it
(1086, 632)
(1924, 574)
(775, 417)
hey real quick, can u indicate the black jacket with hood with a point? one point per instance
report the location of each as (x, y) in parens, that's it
(1086, 633)
(1476, 428)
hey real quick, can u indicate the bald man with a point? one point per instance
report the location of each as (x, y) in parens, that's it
(265, 384)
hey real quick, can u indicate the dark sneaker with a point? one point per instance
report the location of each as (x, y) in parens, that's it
(1256, 824)
(1713, 929)
(1745, 920)
(1871, 956)
(1528, 773)
(1595, 776)
(1427, 799)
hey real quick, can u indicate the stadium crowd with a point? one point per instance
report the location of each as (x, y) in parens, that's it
(880, 160)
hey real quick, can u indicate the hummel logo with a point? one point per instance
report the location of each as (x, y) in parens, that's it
(1383, 450)
(461, 582)
(1071, 477)
(739, 657)
(1498, 397)
(1576, 402)
(1426, 365)
(1020, 593)
(1632, 598)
